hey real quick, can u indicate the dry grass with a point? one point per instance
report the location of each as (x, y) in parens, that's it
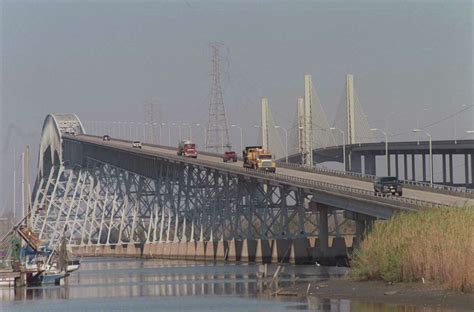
(436, 245)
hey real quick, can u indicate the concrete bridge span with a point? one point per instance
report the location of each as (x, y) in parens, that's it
(407, 160)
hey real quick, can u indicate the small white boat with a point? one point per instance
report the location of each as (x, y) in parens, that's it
(73, 265)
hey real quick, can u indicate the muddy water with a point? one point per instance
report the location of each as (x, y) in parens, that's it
(104, 284)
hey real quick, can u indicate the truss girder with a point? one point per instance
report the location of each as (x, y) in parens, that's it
(99, 204)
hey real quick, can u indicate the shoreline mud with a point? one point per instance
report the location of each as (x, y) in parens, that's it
(412, 294)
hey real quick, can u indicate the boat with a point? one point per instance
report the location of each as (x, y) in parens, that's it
(73, 265)
(50, 276)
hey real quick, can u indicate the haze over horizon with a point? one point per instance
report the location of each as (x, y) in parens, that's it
(104, 60)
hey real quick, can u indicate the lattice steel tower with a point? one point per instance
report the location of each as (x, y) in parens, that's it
(217, 132)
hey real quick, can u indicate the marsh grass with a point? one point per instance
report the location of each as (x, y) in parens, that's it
(436, 245)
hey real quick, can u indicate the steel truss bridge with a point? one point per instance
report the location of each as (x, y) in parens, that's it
(106, 195)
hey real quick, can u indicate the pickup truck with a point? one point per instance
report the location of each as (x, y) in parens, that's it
(388, 185)
(229, 156)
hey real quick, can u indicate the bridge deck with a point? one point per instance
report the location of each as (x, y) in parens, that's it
(159, 151)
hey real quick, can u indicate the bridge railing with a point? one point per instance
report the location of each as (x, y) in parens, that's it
(438, 188)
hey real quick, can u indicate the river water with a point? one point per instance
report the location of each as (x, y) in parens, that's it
(106, 284)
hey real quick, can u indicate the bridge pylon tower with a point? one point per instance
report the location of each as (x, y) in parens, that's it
(307, 122)
(350, 110)
(300, 124)
(265, 124)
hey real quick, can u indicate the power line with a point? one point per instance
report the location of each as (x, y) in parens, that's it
(436, 122)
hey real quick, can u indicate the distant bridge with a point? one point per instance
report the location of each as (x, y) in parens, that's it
(403, 159)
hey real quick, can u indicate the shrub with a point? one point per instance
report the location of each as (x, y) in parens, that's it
(434, 244)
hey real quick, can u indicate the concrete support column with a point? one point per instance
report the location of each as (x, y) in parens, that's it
(389, 164)
(369, 164)
(423, 166)
(451, 172)
(472, 169)
(444, 168)
(356, 162)
(405, 166)
(466, 170)
(413, 171)
(397, 172)
(323, 228)
(360, 233)
(360, 228)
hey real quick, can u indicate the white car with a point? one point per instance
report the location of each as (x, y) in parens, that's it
(137, 144)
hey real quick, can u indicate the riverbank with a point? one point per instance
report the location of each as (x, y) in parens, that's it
(406, 294)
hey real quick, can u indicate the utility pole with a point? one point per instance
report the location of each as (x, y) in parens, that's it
(217, 133)
(26, 190)
(14, 185)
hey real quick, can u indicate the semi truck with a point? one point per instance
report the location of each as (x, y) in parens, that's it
(187, 148)
(256, 157)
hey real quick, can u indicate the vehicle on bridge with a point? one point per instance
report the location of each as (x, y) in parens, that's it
(256, 157)
(137, 144)
(187, 148)
(229, 156)
(70, 131)
(388, 185)
(106, 137)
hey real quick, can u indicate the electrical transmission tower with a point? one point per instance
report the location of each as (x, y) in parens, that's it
(217, 132)
(150, 121)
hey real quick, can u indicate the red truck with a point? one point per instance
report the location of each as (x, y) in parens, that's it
(187, 149)
(229, 156)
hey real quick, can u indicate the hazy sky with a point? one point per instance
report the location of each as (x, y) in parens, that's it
(104, 59)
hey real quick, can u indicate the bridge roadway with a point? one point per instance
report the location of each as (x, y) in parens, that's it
(341, 181)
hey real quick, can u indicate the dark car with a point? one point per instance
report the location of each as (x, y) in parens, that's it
(229, 156)
(388, 185)
(106, 137)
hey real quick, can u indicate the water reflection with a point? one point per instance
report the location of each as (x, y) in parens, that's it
(106, 283)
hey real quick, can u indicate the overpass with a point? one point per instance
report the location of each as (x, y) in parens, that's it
(408, 160)
(110, 196)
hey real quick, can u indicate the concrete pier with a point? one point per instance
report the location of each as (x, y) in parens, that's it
(222, 250)
(263, 252)
(200, 251)
(191, 250)
(283, 249)
(211, 250)
(166, 250)
(300, 250)
(235, 250)
(160, 249)
(182, 250)
(174, 250)
(249, 250)
(338, 248)
(147, 250)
